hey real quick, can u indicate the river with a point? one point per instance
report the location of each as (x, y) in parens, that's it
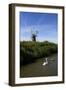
(37, 69)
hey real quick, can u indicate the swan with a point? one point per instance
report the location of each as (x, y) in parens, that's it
(46, 62)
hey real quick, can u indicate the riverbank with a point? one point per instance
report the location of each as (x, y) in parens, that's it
(31, 51)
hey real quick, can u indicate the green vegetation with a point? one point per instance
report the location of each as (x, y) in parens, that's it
(30, 51)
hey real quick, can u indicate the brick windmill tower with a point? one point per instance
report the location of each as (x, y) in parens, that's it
(34, 35)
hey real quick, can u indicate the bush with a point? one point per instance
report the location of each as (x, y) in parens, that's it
(30, 51)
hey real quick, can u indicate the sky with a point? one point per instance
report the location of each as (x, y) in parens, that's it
(44, 23)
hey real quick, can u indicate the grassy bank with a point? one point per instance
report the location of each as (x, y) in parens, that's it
(30, 51)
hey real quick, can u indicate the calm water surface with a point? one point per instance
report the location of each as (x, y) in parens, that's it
(36, 69)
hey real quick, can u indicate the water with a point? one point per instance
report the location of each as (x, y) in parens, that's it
(36, 69)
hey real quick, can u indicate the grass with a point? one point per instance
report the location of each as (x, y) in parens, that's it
(30, 51)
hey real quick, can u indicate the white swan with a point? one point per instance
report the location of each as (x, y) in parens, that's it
(46, 62)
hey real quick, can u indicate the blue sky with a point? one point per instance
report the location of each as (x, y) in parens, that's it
(44, 23)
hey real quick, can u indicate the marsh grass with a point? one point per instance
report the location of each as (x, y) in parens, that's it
(31, 51)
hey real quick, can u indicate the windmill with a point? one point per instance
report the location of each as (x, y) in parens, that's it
(34, 35)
